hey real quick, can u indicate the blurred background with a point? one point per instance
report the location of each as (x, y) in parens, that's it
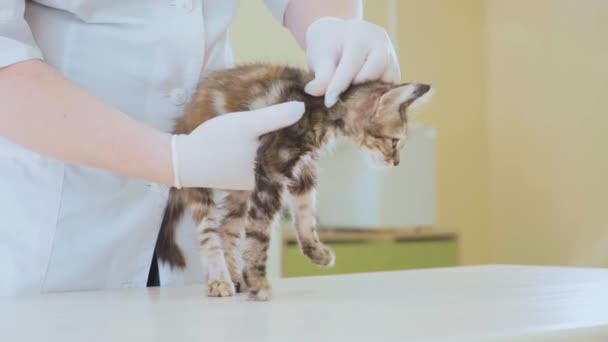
(507, 164)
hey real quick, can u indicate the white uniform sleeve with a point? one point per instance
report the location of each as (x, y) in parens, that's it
(16, 41)
(277, 8)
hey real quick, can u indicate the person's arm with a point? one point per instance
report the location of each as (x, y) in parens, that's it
(48, 114)
(41, 110)
(341, 48)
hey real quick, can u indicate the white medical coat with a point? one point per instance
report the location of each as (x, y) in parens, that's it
(66, 227)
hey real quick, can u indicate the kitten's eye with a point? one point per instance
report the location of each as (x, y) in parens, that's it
(395, 142)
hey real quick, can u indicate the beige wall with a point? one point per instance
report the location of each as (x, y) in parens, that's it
(257, 37)
(522, 122)
(443, 42)
(548, 131)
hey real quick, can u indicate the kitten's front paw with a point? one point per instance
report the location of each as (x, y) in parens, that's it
(319, 254)
(218, 288)
(261, 295)
(259, 288)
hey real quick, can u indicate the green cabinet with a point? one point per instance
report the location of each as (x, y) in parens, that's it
(373, 255)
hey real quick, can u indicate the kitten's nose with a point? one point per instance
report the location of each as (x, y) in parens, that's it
(395, 162)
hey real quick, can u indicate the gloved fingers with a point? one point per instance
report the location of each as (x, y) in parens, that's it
(375, 66)
(353, 57)
(393, 72)
(268, 119)
(324, 68)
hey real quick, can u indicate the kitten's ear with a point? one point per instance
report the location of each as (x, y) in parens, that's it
(364, 104)
(406, 96)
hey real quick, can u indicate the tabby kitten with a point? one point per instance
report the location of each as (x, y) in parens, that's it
(371, 115)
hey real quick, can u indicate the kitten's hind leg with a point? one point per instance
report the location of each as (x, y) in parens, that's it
(264, 206)
(302, 193)
(235, 206)
(219, 283)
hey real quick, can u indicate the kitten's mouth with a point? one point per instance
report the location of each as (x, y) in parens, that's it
(377, 160)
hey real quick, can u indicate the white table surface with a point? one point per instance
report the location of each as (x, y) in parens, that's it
(486, 303)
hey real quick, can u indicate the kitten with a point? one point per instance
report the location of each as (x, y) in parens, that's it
(371, 115)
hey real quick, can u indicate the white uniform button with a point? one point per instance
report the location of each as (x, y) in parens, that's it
(186, 5)
(155, 187)
(178, 96)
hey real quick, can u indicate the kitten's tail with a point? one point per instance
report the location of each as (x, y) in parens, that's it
(167, 249)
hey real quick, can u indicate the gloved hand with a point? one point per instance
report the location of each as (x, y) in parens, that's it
(341, 52)
(221, 152)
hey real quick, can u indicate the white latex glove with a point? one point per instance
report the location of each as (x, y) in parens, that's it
(341, 52)
(221, 152)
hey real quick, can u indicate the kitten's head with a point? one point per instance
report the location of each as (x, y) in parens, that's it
(377, 114)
